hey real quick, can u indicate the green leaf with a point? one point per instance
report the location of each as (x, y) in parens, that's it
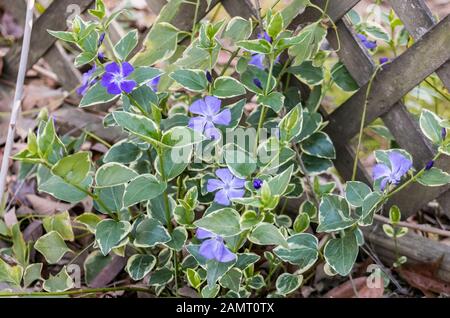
(19, 247)
(288, 283)
(150, 232)
(238, 29)
(356, 192)
(308, 73)
(193, 80)
(142, 188)
(301, 223)
(112, 174)
(274, 100)
(370, 204)
(210, 291)
(160, 44)
(430, 126)
(112, 197)
(193, 278)
(279, 183)
(376, 31)
(161, 277)
(340, 253)
(215, 270)
(32, 273)
(275, 26)
(334, 214)
(302, 251)
(267, 234)
(255, 46)
(307, 42)
(109, 233)
(342, 78)
(138, 266)
(315, 165)
(225, 87)
(252, 72)
(179, 236)
(223, 222)
(394, 214)
(63, 35)
(84, 58)
(61, 190)
(58, 283)
(291, 124)
(123, 152)
(60, 223)
(138, 125)
(90, 220)
(256, 282)
(246, 259)
(52, 246)
(144, 74)
(239, 161)
(97, 94)
(73, 168)
(232, 279)
(319, 145)
(10, 274)
(434, 177)
(126, 44)
(250, 219)
(46, 138)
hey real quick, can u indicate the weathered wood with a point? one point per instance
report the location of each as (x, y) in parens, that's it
(393, 83)
(416, 248)
(336, 10)
(54, 18)
(56, 57)
(418, 19)
(156, 5)
(244, 9)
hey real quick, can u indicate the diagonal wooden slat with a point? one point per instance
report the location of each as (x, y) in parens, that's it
(54, 18)
(394, 82)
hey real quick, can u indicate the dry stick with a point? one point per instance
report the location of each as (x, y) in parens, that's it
(17, 96)
(412, 226)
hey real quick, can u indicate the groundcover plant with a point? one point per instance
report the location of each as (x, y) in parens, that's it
(195, 192)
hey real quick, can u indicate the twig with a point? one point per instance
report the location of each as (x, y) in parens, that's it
(412, 226)
(17, 96)
(77, 291)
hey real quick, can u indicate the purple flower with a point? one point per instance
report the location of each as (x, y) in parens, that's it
(443, 133)
(209, 113)
(368, 44)
(153, 84)
(229, 186)
(257, 60)
(257, 82)
(115, 78)
(429, 165)
(257, 184)
(87, 81)
(213, 247)
(209, 76)
(384, 60)
(101, 39)
(399, 166)
(265, 36)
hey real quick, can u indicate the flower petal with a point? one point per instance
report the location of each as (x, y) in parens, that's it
(223, 118)
(211, 132)
(225, 175)
(236, 193)
(127, 69)
(400, 165)
(112, 67)
(113, 89)
(221, 197)
(128, 86)
(212, 104)
(214, 184)
(380, 170)
(208, 249)
(198, 107)
(197, 123)
(383, 183)
(107, 79)
(257, 60)
(223, 254)
(203, 234)
(237, 183)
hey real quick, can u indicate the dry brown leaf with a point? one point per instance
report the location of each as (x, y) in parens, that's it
(10, 217)
(46, 205)
(109, 272)
(345, 290)
(423, 277)
(38, 95)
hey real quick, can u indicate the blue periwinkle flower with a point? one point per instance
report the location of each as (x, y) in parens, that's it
(210, 115)
(258, 83)
(257, 183)
(368, 44)
(229, 186)
(383, 60)
(213, 247)
(443, 133)
(209, 76)
(101, 39)
(115, 79)
(399, 166)
(153, 84)
(429, 165)
(87, 81)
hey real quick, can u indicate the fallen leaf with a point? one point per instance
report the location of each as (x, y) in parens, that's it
(345, 290)
(423, 276)
(46, 205)
(10, 218)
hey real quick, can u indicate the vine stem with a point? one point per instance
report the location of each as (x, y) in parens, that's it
(17, 104)
(363, 120)
(411, 226)
(76, 292)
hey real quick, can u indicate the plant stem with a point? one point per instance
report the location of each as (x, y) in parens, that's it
(76, 292)
(363, 120)
(418, 227)
(197, 5)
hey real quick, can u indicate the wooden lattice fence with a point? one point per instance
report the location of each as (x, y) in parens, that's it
(427, 55)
